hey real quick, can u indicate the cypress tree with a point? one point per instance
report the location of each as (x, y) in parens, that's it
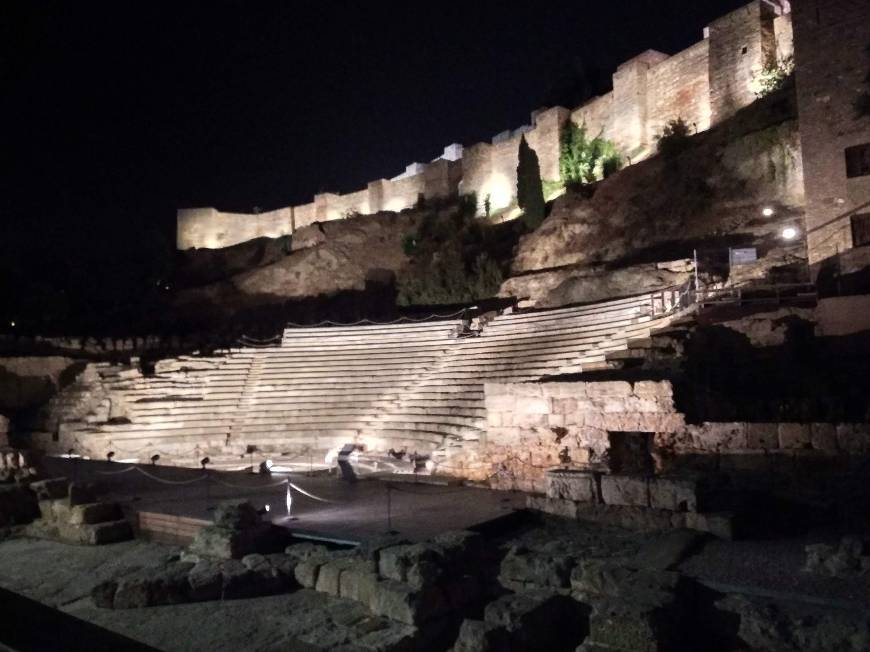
(530, 190)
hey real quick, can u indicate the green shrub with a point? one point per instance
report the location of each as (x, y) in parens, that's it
(674, 138)
(552, 188)
(449, 263)
(530, 191)
(582, 160)
(775, 76)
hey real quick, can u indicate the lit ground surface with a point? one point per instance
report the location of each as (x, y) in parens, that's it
(356, 511)
(62, 576)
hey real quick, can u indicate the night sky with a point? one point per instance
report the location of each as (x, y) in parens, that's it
(114, 114)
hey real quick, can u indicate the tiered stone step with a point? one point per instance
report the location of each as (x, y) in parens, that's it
(412, 385)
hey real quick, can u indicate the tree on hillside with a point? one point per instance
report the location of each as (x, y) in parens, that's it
(530, 190)
(584, 160)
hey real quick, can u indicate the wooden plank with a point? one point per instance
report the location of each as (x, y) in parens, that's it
(169, 528)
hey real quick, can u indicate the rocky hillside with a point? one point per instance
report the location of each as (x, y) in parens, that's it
(606, 240)
(598, 242)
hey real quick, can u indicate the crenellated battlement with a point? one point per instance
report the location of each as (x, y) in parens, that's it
(704, 84)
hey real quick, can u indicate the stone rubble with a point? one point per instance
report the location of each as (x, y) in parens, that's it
(71, 512)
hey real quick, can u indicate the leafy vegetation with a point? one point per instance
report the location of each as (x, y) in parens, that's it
(584, 160)
(530, 191)
(775, 76)
(452, 259)
(552, 187)
(674, 138)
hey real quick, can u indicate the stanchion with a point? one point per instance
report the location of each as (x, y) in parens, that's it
(204, 461)
(390, 529)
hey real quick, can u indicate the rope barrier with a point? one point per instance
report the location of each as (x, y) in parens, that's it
(129, 468)
(206, 476)
(178, 482)
(310, 495)
(239, 486)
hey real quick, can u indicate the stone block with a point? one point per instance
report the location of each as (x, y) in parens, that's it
(525, 420)
(357, 582)
(91, 513)
(556, 420)
(480, 636)
(237, 580)
(522, 568)
(571, 485)
(205, 580)
(236, 515)
(564, 405)
(621, 625)
(853, 437)
(329, 575)
(719, 524)
(823, 436)
(103, 594)
(398, 601)
(50, 489)
(532, 405)
(719, 435)
(610, 388)
(762, 435)
(154, 586)
(307, 570)
(653, 389)
(673, 494)
(625, 490)
(305, 550)
(46, 510)
(418, 564)
(604, 578)
(538, 620)
(794, 435)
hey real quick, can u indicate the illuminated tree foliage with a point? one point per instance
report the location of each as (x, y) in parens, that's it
(584, 160)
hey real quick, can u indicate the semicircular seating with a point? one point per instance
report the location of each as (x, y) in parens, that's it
(413, 386)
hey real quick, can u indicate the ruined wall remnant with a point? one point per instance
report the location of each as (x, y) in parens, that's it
(533, 427)
(703, 85)
(831, 63)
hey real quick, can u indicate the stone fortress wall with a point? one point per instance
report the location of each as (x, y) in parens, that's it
(832, 38)
(703, 85)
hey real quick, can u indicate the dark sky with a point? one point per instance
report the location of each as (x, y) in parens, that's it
(116, 113)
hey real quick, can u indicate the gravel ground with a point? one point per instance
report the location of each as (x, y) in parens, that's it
(772, 565)
(62, 576)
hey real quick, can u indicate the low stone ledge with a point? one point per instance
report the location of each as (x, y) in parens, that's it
(571, 484)
(644, 519)
(625, 490)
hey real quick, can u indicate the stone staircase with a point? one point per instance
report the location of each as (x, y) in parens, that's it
(413, 385)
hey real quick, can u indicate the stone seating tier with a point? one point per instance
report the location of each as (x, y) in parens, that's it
(413, 385)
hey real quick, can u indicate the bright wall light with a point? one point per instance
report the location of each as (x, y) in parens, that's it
(500, 192)
(789, 233)
(767, 211)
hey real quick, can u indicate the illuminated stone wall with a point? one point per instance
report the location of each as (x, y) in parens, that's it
(831, 40)
(703, 85)
(532, 427)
